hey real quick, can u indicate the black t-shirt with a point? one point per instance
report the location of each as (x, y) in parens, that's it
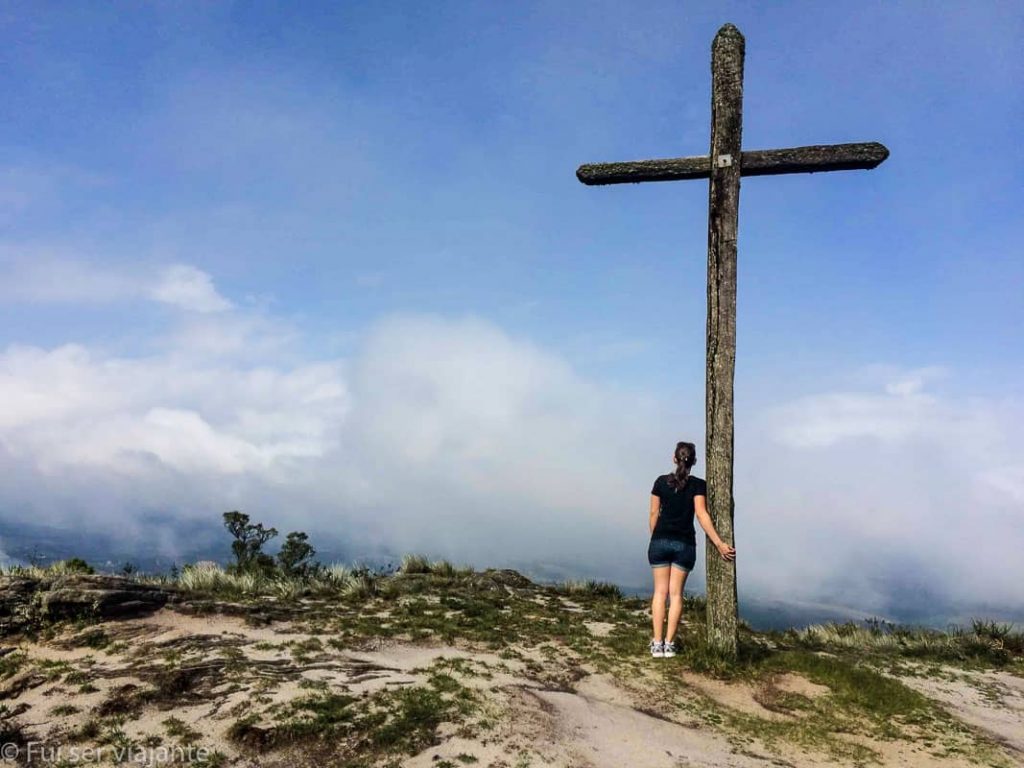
(676, 518)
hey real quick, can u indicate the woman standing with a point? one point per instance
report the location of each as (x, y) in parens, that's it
(675, 499)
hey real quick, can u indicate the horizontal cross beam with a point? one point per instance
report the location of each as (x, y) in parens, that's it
(761, 162)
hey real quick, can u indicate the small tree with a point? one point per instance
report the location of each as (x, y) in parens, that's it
(76, 565)
(296, 554)
(36, 558)
(249, 540)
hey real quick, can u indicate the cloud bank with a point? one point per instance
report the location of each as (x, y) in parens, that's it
(42, 277)
(895, 484)
(440, 433)
(450, 436)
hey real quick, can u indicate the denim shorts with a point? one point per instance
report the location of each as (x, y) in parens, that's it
(664, 552)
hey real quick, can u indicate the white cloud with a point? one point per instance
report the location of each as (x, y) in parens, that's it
(449, 435)
(43, 276)
(974, 433)
(472, 409)
(823, 420)
(1007, 481)
(443, 434)
(913, 381)
(858, 485)
(188, 288)
(68, 407)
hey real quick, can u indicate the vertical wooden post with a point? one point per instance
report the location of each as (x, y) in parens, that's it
(724, 167)
(727, 52)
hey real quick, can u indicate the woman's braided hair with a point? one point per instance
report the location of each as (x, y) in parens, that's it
(686, 457)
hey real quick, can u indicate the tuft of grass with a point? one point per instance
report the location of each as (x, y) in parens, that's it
(286, 588)
(203, 577)
(87, 731)
(443, 569)
(53, 669)
(94, 638)
(12, 663)
(302, 649)
(72, 565)
(209, 578)
(363, 584)
(115, 736)
(589, 587)
(331, 579)
(391, 722)
(413, 563)
(69, 567)
(358, 582)
(178, 729)
(999, 635)
(985, 643)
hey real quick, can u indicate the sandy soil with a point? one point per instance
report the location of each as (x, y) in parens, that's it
(992, 702)
(587, 719)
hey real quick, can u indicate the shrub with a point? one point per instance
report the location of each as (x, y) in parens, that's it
(412, 563)
(202, 577)
(331, 578)
(296, 554)
(248, 544)
(71, 565)
(363, 583)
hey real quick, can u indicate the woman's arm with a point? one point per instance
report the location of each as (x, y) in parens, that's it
(655, 510)
(701, 510)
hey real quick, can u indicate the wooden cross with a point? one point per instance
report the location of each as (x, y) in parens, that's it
(724, 167)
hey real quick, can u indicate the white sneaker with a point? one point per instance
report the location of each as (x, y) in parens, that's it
(657, 649)
(669, 649)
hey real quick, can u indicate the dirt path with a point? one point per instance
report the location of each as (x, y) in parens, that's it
(991, 701)
(543, 709)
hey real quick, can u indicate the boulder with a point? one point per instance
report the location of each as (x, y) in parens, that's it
(27, 602)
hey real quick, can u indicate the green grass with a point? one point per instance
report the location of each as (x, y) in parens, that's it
(180, 730)
(984, 644)
(93, 638)
(413, 563)
(589, 587)
(53, 669)
(854, 687)
(344, 608)
(12, 663)
(392, 723)
(858, 700)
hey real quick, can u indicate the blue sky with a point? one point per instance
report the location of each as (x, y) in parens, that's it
(290, 238)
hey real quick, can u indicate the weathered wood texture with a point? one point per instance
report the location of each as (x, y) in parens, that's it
(727, 53)
(759, 162)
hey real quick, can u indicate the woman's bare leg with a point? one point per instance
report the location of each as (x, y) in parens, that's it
(675, 597)
(661, 579)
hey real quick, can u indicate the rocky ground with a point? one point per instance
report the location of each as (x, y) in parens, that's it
(481, 669)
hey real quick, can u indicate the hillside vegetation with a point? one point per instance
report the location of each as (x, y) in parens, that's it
(434, 664)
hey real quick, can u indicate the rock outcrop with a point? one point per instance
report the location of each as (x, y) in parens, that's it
(28, 602)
